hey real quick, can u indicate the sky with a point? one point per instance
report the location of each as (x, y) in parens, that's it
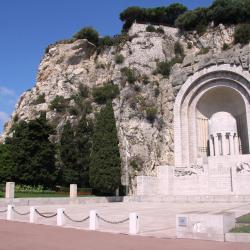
(27, 27)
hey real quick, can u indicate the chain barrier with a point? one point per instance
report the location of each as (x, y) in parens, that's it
(69, 218)
(3, 211)
(112, 222)
(19, 213)
(46, 216)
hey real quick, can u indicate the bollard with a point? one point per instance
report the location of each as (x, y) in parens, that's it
(133, 223)
(10, 212)
(10, 190)
(33, 215)
(93, 220)
(60, 219)
(73, 191)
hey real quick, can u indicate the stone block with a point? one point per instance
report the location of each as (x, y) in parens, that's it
(205, 226)
(73, 190)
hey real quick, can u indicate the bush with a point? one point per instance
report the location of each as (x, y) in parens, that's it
(203, 51)
(129, 74)
(73, 111)
(178, 49)
(105, 93)
(119, 59)
(159, 16)
(164, 68)
(151, 113)
(157, 91)
(58, 103)
(242, 34)
(83, 91)
(150, 28)
(225, 46)
(160, 30)
(145, 79)
(40, 99)
(88, 33)
(106, 41)
(189, 45)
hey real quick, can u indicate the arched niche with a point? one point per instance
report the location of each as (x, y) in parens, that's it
(221, 88)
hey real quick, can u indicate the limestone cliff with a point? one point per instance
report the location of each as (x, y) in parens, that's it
(66, 66)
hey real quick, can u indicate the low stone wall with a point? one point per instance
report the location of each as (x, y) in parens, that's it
(189, 198)
(237, 237)
(60, 200)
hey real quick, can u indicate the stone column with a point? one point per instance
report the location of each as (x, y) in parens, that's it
(211, 146)
(231, 143)
(224, 144)
(10, 190)
(216, 144)
(236, 145)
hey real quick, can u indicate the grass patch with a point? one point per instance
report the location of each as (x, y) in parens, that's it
(243, 219)
(244, 229)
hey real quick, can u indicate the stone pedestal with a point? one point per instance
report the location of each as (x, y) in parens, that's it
(73, 191)
(205, 226)
(10, 190)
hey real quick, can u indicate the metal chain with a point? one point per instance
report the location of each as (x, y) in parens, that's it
(112, 222)
(4, 211)
(46, 216)
(19, 212)
(68, 217)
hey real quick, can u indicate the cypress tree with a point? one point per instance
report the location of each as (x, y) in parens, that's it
(105, 164)
(75, 146)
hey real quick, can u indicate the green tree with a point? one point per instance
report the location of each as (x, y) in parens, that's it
(88, 33)
(33, 153)
(105, 164)
(7, 165)
(75, 147)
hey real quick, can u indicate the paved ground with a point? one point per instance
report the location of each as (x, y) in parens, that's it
(24, 236)
(156, 219)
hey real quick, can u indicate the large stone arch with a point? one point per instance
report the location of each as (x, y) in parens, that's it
(230, 79)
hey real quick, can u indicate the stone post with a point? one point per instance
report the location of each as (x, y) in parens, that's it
(10, 212)
(10, 190)
(133, 223)
(60, 219)
(73, 191)
(33, 215)
(93, 220)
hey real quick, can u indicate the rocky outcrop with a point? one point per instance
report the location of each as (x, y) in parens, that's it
(143, 144)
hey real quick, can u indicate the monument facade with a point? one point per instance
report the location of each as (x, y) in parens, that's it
(211, 137)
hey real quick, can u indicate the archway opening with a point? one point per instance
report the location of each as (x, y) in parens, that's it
(221, 123)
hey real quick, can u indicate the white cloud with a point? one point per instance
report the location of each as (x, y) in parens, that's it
(3, 117)
(6, 92)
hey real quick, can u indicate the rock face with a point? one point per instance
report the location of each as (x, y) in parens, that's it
(143, 144)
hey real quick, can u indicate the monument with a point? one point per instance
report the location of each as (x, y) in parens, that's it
(211, 137)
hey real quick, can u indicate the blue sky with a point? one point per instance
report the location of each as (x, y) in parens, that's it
(28, 26)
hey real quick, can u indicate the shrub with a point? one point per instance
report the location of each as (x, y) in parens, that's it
(106, 41)
(161, 15)
(189, 45)
(73, 111)
(145, 79)
(40, 99)
(157, 92)
(201, 29)
(242, 34)
(129, 74)
(164, 68)
(203, 51)
(192, 19)
(160, 30)
(58, 103)
(151, 113)
(178, 49)
(88, 33)
(119, 59)
(83, 90)
(225, 46)
(104, 93)
(150, 28)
